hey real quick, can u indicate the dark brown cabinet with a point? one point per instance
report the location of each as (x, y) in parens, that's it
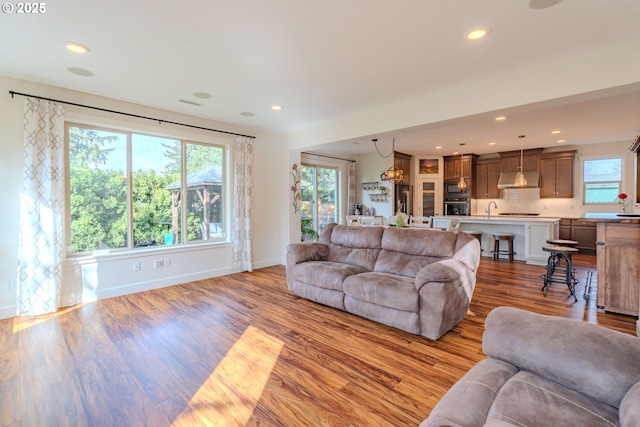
(486, 179)
(403, 161)
(583, 232)
(455, 165)
(510, 160)
(556, 174)
(565, 229)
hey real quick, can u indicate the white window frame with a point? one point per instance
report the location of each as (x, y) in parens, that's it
(620, 182)
(185, 138)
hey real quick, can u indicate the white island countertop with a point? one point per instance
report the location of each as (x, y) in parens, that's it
(531, 233)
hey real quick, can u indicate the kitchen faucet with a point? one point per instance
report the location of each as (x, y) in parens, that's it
(489, 208)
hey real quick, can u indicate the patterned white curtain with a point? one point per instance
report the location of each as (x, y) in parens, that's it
(242, 204)
(41, 238)
(351, 187)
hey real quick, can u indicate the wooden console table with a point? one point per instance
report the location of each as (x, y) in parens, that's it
(618, 262)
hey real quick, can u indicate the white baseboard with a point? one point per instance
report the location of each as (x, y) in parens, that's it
(156, 284)
(8, 311)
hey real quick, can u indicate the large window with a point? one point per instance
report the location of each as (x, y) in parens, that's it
(128, 190)
(319, 195)
(602, 180)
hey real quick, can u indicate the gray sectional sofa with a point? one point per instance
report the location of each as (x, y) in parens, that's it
(415, 279)
(546, 371)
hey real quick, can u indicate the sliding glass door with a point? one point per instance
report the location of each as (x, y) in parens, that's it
(319, 187)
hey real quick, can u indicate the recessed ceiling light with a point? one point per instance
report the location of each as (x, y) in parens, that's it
(276, 107)
(492, 143)
(439, 147)
(202, 95)
(80, 72)
(561, 141)
(76, 47)
(500, 118)
(555, 131)
(477, 33)
(247, 114)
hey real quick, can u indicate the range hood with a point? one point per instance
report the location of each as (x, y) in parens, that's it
(508, 179)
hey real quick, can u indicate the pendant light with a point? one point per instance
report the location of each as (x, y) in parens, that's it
(520, 180)
(461, 184)
(394, 175)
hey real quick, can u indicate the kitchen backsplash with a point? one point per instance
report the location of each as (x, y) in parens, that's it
(527, 200)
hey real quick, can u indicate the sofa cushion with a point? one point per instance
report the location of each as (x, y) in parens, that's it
(384, 289)
(406, 251)
(358, 246)
(630, 407)
(467, 403)
(529, 400)
(324, 274)
(567, 351)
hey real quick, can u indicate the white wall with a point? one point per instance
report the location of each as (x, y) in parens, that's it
(109, 275)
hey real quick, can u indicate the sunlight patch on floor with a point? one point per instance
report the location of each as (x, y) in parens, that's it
(230, 394)
(20, 323)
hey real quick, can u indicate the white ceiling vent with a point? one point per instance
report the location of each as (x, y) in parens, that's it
(186, 101)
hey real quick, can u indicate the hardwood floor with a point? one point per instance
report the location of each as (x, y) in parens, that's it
(241, 350)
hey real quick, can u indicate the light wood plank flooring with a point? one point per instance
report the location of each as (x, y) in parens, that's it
(241, 350)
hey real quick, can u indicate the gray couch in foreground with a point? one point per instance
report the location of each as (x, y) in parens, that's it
(546, 371)
(418, 280)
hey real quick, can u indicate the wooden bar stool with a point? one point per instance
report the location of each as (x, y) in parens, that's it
(477, 234)
(497, 237)
(558, 254)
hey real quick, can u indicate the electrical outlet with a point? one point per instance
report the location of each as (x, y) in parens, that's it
(167, 262)
(158, 263)
(136, 266)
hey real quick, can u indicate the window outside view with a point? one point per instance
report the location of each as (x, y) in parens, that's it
(105, 190)
(602, 180)
(319, 194)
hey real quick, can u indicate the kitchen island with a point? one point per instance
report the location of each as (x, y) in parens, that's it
(531, 233)
(618, 262)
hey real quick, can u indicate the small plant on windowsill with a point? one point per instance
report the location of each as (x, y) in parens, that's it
(623, 200)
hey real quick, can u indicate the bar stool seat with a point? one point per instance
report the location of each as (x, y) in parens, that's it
(562, 242)
(558, 254)
(497, 238)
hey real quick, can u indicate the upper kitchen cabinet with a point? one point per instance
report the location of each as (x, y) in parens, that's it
(403, 161)
(510, 160)
(454, 165)
(556, 174)
(486, 179)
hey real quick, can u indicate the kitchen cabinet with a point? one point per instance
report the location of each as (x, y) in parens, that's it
(556, 174)
(403, 161)
(486, 179)
(585, 233)
(510, 160)
(564, 231)
(454, 165)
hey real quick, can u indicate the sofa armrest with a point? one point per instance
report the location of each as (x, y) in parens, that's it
(570, 352)
(436, 272)
(302, 252)
(307, 251)
(630, 407)
(445, 289)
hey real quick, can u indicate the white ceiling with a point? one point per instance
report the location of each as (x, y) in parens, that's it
(324, 60)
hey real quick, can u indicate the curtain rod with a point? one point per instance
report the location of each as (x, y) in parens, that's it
(328, 157)
(160, 121)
